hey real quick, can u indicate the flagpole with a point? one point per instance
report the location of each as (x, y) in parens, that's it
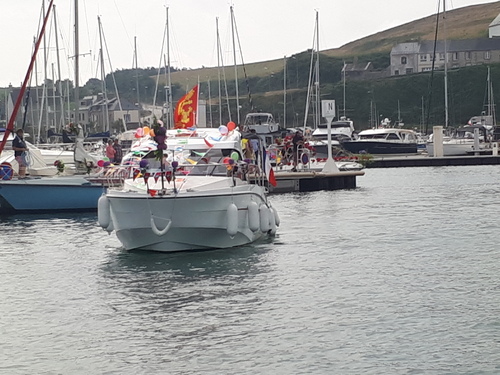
(197, 102)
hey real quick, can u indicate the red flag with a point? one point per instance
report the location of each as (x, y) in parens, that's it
(152, 192)
(269, 169)
(185, 111)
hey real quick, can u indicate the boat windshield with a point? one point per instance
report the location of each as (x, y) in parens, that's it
(213, 162)
(257, 120)
(372, 136)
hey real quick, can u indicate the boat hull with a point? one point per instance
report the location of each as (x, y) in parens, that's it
(195, 221)
(50, 194)
(452, 149)
(378, 148)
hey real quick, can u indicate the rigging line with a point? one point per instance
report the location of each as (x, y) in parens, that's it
(165, 30)
(431, 79)
(244, 69)
(309, 84)
(113, 76)
(223, 69)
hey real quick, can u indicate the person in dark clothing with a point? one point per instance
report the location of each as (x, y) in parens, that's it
(297, 141)
(118, 152)
(20, 148)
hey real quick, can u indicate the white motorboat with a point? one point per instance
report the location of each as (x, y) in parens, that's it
(199, 200)
(463, 142)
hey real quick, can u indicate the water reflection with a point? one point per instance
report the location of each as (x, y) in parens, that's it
(154, 282)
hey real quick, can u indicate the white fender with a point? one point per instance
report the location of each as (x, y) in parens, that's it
(264, 218)
(272, 222)
(276, 217)
(103, 212)
(232, 220)
(155, 229)
(253, 216)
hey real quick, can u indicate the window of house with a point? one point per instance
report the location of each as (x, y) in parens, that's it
(441, 56)
(403, 60)
(396, 72)
(127, 118)
(487, 55)
(467, 55)
(423, 57)
(409, 70)
(455, 56)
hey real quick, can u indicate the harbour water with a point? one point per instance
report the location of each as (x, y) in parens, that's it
(399, 276)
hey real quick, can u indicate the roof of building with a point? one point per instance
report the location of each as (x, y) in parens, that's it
(483, 44)
(496, 21)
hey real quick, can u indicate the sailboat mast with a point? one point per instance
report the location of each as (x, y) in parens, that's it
(316, 83)
(103, 78)
(235, 68)
(343, 76)
(284, 92)
(61, 99)
(12, 118)
(136, 72)
(77, 68)
(445, 68)
(169, 80)
(218, 71)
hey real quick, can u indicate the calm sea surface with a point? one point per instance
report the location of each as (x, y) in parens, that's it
(399, 276)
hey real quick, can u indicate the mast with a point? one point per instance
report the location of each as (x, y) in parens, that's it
(61, 98)
(235, 68)
(316, 82)
(103, 78)
(136, 72)
(10, 125)
(218, 71)
(169, 80)
(210, 104)
(284, 92)
(77, 68)
(446, 119)
(491, 102)
(309, 84)
(343, 76)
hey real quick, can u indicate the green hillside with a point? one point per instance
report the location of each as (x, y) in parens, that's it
(368, 99)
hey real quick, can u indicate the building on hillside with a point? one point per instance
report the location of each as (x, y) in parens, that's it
(360, 71)
(120, 114)
(416, 57)
(494, 28)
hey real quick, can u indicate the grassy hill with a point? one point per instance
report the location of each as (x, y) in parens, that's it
(463, 23)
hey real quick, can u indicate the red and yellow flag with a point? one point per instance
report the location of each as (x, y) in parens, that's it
(185, 111)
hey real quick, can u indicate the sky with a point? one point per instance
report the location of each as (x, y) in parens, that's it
(267, 30)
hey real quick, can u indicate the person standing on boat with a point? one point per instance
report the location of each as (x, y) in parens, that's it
(20, 148)
(118, 152)
(297, 141)
(110, 151)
